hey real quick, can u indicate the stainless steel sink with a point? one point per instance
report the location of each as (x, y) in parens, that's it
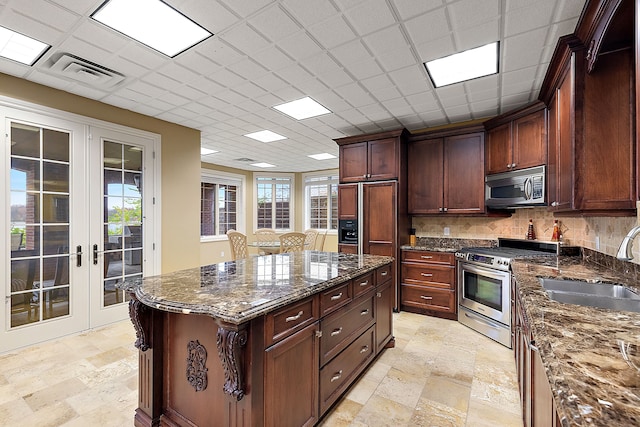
(600, 295)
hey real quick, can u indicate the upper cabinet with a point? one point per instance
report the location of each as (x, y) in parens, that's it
(516, 140)
(446, 172)
(590, 94)
(371, 158)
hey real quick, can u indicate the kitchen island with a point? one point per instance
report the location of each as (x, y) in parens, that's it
(269, 340)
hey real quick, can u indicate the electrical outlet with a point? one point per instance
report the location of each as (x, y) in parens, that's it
(597, 243)
(447, 231)
(221, 253)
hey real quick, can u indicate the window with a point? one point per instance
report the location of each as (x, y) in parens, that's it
(321, 201)
(274, 202)
(220, 203)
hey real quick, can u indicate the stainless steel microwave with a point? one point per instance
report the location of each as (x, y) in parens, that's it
(516, 189)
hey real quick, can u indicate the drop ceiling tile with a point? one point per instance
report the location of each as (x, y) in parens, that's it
(148, 110)
(398, 107)
(122, 102)
(568, 9)
(409, 8)
(483, 109)
(250, 105)
(351, 53)
(308, 12)
(217, 50)
(311, 87)
(384, 94)
(396, 59)
(378, 82)
(206, 85)
(436, 48)
(332, 32)
(364, 69)
(459, 113)
(537, 14)
(251, 90)
(272, 58)
(336, 78)
(437, 23)
(245, 39)
(482, 83)
(385, 40)
(231, 96)
(211, 15)
(190, 93)
(519, 50)
(80, 7)
(355, 95)
(299, 46)
(173, 99)
(39, 14)
(477, 36)
(248, 69)
(178, 73)
(96, 34)
(333, 101)
(144, 57)
(321, 64)
(288, 94)
(145, 88)
(127, 68)
(375, 112)
(196, 64)
(246, 7)
(370, 16)
(274, 23)
(410, 80)
(425, 100)
(471, 13)
(84, 50)
(226, 78)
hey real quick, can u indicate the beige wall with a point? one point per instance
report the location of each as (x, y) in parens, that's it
(579, 231)
(180, 154)
(218, 251)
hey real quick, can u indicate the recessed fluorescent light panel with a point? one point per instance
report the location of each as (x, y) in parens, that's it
(322, 156)
(302, 108)
(467, 65)
(20, 48)
(266, 136)
(263, 165)
(153, 23)
(204, 151)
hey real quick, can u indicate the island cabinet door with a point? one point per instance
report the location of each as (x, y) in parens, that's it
(291, 380)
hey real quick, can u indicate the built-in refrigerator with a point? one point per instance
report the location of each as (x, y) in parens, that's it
(369, 223)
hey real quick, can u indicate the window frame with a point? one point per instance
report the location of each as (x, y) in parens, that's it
(218, 177)
(307, 201)
(292, 201)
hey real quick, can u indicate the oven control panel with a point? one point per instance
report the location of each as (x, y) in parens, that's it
(487, 260)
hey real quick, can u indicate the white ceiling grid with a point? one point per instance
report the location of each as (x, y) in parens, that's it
(362, 59)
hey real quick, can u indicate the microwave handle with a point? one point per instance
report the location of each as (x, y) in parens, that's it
(528, 189)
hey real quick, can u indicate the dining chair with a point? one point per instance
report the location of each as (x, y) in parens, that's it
(292, 242)
(320, 240)
(265, 236)
(311, 236)
(238, 244)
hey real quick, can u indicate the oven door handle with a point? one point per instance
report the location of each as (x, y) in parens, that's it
(481, 320)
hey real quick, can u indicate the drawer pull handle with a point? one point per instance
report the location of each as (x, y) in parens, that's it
(426, 274)
(364, 312)
(426, 257)
(384, 273)
(365, 283)
(336, 297)
(336, 376)
(379, 294)
(426, 297)
(293, 318)
(336, 331)
(364, 349)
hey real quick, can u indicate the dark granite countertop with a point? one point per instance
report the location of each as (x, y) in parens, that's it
(446, 244)
(591, 382)
(238, 291)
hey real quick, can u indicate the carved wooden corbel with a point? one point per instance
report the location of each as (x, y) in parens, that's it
(231, 342)
(197, 365)
(140, 317)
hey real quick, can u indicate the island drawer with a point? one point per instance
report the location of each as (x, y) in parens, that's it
(428, 298)
(443, 258)
(336, 376)
(383, 274)
(287, 320)
(336, 297)
(363, 284)
(341, 327)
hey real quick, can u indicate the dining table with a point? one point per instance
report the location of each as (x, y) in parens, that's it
(266, 247)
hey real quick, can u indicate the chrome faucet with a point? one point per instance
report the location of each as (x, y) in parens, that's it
(624, 251)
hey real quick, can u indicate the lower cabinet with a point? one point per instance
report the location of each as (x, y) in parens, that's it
(317, 347)
(536, 397)
(428, 283)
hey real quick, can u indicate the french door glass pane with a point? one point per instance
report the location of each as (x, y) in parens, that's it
(40, 286)
(123, 238)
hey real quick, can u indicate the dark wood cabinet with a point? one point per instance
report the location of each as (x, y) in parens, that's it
(384, 308)
(374, 157)
(590, 93)
(516, 140)
(538, 408)
(428, 283)
(348, 201)
(446, 174)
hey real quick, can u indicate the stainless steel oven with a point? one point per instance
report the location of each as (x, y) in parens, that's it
(484, 298)
(484, 284)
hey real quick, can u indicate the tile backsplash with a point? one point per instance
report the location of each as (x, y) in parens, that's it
(601, 234)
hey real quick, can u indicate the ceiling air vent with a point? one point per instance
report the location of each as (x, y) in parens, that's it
(84, 71)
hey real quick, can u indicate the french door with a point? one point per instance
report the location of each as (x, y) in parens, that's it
(75, 225)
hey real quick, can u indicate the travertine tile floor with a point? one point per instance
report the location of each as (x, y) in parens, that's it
(440, 374)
